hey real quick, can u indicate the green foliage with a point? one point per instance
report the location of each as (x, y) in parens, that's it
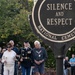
(50, 63)
(8, 12)
(71, 51)
(14, 19)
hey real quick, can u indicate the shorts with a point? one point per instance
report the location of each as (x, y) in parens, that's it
(39, 68)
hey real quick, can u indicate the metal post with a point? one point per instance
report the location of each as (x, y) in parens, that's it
(59, 66)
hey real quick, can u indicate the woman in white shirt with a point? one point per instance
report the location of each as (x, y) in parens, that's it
(8, 59)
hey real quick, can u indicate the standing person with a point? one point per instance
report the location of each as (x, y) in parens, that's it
(66, 66)
(8, 59)
(17, 52)
(39, 56)
(3, 50)
(0, 60)
(26, 59)
(72, 63)
(13, 47)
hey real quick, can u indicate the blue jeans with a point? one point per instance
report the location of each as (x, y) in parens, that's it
(26, 71)
(66, 72)
(15, 68)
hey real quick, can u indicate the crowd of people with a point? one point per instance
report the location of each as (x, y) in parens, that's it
(69, 65)
(29, 60)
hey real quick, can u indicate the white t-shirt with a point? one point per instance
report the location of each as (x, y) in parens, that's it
(9, 57)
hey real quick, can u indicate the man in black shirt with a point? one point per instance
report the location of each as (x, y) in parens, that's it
(67, 65)
(26, 58)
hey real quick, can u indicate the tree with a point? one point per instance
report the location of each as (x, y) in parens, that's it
(14, 24)
(14, 19)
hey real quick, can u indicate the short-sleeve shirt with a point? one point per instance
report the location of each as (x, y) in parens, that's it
(72, 60)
